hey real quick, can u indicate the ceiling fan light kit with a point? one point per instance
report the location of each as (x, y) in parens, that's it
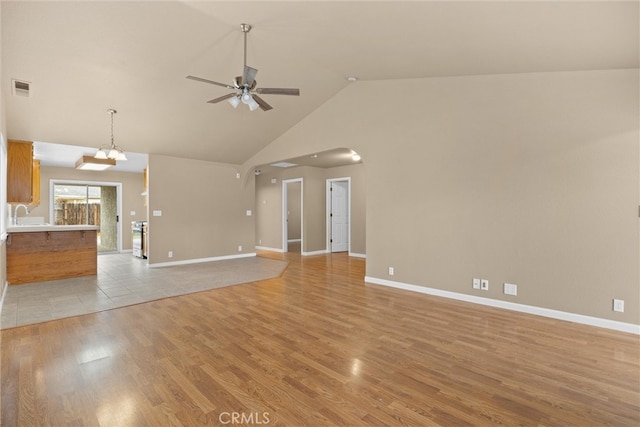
(245, 85)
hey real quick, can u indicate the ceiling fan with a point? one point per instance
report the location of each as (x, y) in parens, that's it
(245, 85)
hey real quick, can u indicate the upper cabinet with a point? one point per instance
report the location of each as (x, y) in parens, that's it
(23, 174)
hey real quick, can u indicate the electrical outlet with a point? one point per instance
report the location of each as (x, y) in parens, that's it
(618, 305)
(484, 284)
(391, 271)
(239, 248)
(510, 289)
(476, 283)
(170, 254)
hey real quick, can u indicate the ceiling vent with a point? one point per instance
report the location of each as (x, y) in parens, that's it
(21, 88)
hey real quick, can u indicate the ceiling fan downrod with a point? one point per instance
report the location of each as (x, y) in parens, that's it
(245, 29)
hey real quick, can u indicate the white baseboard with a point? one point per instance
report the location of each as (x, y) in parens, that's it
(198, 260)
(539, 311)
(355, 255)
(265, 248)
(5, 286)
(320, 252)
(294, 241)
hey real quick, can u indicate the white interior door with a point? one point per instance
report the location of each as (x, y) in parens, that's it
(339, 216)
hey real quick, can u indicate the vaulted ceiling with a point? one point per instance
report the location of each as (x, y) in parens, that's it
(83, 58)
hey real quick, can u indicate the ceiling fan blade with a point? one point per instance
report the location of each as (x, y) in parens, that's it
(200, 79)
(249, 75)
(278, 91)
(261, 103)
(222, 98)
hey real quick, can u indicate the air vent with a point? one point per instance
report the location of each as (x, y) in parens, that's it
(21, 88)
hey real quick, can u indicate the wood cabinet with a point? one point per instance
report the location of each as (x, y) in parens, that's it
(35, 188)
(50, 255)
(23, 174)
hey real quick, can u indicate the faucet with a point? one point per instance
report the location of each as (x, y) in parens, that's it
(15, 214)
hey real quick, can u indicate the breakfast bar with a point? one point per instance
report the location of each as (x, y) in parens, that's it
(37, 253)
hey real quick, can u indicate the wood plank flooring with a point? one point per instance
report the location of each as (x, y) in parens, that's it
(319, 347)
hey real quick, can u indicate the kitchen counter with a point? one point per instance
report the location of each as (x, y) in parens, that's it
(29, 228)
(37, 253)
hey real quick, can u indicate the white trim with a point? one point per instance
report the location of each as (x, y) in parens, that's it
(320, 252)
(294, 240)
(285, 231)
(265, 248)
(328, 210)
(355, 255)
(539, 311)
(198, 260)
(4, 291)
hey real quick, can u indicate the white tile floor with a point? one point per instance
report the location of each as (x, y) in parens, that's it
(125, 280)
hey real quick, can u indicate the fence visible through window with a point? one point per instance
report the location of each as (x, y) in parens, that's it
(83, 204)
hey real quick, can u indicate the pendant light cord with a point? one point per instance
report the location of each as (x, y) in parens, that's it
(112, 143)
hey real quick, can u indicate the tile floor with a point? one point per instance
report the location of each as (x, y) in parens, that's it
(125, 280)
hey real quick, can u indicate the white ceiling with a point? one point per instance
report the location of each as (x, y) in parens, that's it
(83, 58)
(65, 156)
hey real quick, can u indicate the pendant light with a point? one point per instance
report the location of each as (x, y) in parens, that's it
(112, 151)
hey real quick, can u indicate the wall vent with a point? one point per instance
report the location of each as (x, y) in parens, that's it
(21, 88)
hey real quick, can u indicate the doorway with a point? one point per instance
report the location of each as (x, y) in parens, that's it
(292, 208)
(89, 203)
(338, 214)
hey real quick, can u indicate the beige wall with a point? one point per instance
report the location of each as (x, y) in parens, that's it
(132, 187)
(531, 179)
(203, 209)
(269, 206)
(268, 199)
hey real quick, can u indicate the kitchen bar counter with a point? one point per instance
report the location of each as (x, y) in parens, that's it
(37, 253)
(46, 227)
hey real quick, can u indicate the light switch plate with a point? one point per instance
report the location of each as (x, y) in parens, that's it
(618, 305)
(510, 289)
(157, 213)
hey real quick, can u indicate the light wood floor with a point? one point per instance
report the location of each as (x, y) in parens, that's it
(317, 346)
